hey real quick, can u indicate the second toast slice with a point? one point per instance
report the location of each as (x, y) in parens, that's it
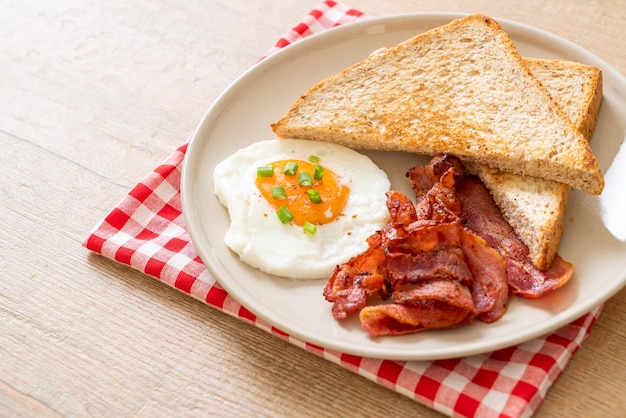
(535, 207)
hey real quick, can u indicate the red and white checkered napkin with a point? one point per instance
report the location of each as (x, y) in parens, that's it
(146, 230)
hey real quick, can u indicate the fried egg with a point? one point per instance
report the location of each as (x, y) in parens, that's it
(300, 223)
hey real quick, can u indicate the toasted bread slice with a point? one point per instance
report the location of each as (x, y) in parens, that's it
(534, 207)
(462, 89)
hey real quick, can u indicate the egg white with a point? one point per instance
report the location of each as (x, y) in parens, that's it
(263, 242)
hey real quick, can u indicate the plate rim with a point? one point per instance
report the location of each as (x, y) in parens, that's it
(337, 32)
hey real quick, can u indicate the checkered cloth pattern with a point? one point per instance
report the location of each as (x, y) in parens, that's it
(146, 230)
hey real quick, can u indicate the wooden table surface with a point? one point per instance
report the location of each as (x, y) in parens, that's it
(93, 95)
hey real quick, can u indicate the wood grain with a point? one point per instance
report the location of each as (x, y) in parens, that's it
(93, 96)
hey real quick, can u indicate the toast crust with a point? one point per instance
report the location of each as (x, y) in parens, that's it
(418, 97)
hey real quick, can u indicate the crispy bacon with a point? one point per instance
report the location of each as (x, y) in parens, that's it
(398, 319)
(439, 275)
(480, 214)
(462, 256)
(443, 262)
(440, 202)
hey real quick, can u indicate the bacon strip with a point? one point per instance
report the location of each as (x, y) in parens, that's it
(398, 319)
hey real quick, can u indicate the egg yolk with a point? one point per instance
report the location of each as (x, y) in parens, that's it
(333, 194)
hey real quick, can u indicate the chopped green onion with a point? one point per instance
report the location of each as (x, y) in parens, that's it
(309, 227)
(314, 195)
(314, 159)
(284, 214)
(318, 173)
(290, 168)
(279, 193)
(267, 171)
(305, 179)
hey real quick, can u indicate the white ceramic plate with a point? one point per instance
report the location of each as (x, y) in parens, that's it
(242, 115)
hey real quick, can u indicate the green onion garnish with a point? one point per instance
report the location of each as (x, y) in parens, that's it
(290, 168)
(284, 214)
(267, 171)
(309, 227)
(305, 179)
(314, 195)
(279, 193)
(314, 159)
(318, 173)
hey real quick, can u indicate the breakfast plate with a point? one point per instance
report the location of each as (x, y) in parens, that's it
(242, 116)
